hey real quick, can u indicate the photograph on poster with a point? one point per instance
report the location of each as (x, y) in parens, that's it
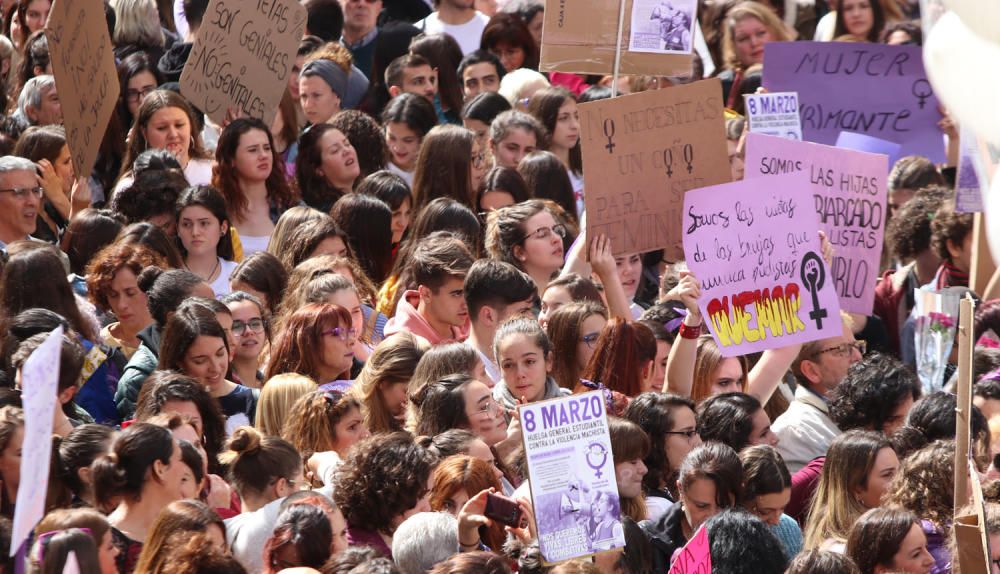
(662, 26)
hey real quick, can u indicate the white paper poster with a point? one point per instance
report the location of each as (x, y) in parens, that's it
(774, 114)
(662, 26)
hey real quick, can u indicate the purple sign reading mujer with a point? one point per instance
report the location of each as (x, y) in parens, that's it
(849, 194)
(873, 89)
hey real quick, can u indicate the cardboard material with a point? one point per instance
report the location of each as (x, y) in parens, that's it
(874, 89)
(850, 194)
(774, 114)
(242, 58)
(966, 314)
(574, 491)
(970, 530)
(581, 38)
(83, 64)
(754, 246)
(696, 556)
(40, 382)
(642, 153)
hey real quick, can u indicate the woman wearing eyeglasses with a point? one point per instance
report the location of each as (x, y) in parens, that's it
(461, 402)
(324, 421)
(529, 236)
(317, 341)
(196, 345)
(252, 333)
(669, 421)
(574, 329)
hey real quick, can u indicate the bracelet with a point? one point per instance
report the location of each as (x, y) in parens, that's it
(688, 332)
(473, 545)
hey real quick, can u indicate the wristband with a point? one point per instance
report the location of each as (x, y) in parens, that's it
(473, 545)
(688, 332)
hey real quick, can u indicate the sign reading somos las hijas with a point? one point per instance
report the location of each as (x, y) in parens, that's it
(242, 58)
(754, 245)
(873, 89)
(849, 194)
(574, 492)
(645, 150)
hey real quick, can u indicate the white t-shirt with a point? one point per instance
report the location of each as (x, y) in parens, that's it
(254, 243)
(406, 175)
(577, 182)
(197, 172)
(221, 284)
(468, 35)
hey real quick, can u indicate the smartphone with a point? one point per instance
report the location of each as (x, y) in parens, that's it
(504, 510)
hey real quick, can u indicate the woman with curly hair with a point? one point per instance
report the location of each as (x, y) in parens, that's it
(385, 479)
(324, 421)
(113, 285)
(925, 486)
(877, 394)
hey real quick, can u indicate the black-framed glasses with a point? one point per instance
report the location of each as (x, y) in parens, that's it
(546, 232)
(135, 96)
(688, 434)
(844, 349)
(590, 339)
(255, 325)
(24, 192)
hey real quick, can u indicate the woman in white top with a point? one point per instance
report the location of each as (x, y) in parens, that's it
(250, 175)
(204, 236)
(164, 121)
(407, 119)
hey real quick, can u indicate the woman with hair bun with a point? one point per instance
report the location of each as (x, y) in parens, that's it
(262, 468)
(143, 471)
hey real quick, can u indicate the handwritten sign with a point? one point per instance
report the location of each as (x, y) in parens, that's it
(849, 194)
(39, 384)
(873, 89)
(648, 149)
(696, 556)
(774, 114)
(84, 68)
(243, 55)
(573, 487)
(754, 245)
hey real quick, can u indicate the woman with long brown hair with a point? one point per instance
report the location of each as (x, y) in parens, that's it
(381, 386)
(315, 341)
(444, 168)
(249, 173)
(574, 330)
(556, 109)
(179, 519)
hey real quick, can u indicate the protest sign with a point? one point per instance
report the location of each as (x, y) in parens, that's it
(754, 245)
(647, 149)
(583, 41)
(696, 556)
(574, 492)
(39, 384)
(849, 194)
(874, 89)
(774, 114)
(969, 180)
(663, 26)
(83, 64)
(861, 142)
(243, 56)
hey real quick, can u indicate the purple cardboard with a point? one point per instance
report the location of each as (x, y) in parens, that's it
(849, 189)
(874, 89)
(755, 247)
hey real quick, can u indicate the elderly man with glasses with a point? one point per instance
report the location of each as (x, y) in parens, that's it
(806, 430)
(20, 199)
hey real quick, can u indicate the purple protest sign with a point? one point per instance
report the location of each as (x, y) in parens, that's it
(754, 245)
(874, 89)
(849, 194)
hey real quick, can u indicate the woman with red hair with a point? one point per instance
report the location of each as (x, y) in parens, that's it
(315, 341)
(622, 362)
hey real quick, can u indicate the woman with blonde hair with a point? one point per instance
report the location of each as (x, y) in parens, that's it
(179, 518)
(858, 469)
(324, 421)
(748, 26)
(381, 388)
(289, 221)
(276, 400)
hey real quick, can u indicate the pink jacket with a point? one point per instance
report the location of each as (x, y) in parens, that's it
(407, 319)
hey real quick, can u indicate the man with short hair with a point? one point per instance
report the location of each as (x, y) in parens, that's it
(411, 74)
(495, 292)
(20, 199)
(806, 430)
(360, 31)
(459, 19)
(480, 71)
(436, 310)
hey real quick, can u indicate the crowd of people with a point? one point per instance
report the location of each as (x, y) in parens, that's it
(302, 345)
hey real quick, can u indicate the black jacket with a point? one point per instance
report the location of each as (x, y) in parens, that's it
(665, 535)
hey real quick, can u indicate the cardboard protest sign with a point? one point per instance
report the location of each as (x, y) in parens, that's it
(574, 492)
(83, 64)
(696, 556)
(644, 151)
(754, 245)
(849, 194)
(243, 56)
(582, 39)
(39, 383)
(774, 114)
(874, 89)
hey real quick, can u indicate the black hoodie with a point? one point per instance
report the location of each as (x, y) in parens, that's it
(172, 63)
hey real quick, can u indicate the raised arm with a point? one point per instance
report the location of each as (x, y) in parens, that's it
(680, 363)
